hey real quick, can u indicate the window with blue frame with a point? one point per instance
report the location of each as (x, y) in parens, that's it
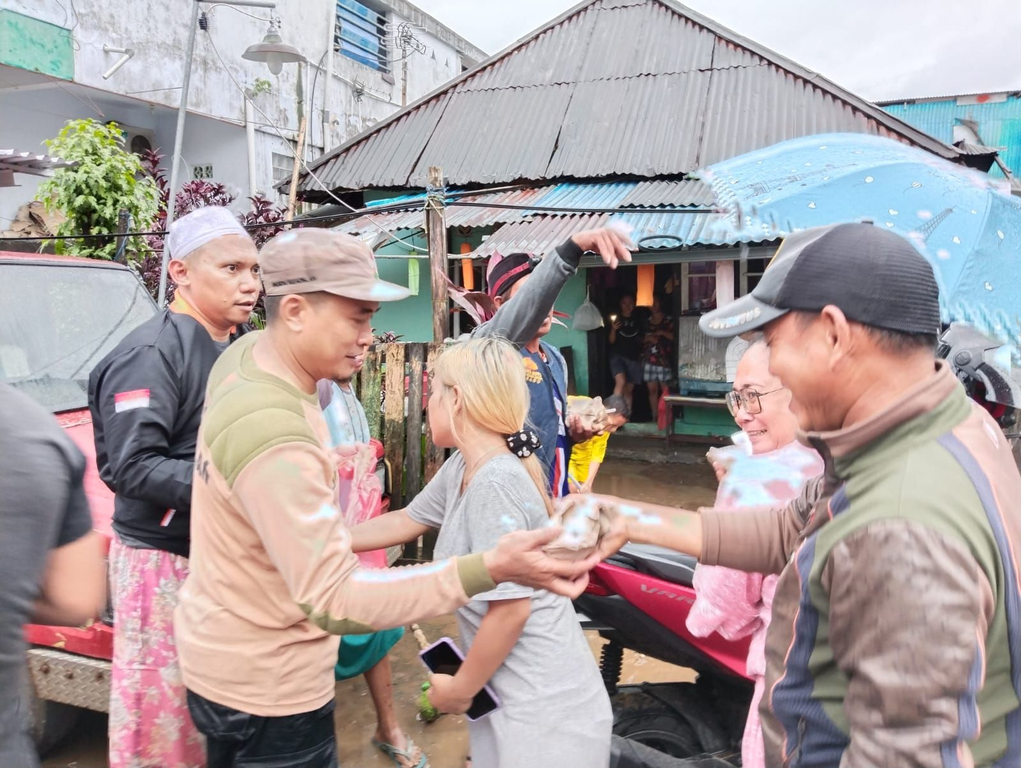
(361, 34)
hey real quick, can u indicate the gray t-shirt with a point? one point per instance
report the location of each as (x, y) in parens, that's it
(555, 710)
(42, 507)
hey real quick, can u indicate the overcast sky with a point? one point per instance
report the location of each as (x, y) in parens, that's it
(880, 49)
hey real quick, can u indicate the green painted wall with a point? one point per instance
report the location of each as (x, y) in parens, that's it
(570, 299)
(411, 318)
(35, 45)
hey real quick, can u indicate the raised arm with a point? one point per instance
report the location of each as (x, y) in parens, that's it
(519, 320)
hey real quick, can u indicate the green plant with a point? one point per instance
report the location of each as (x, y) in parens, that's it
(91, 194)
(261, 86)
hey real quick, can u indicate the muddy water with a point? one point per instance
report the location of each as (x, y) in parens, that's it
(446, 741)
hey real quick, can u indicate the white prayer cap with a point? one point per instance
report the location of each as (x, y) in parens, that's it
(189, 233)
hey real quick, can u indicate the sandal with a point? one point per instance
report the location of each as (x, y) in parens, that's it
(405, 755)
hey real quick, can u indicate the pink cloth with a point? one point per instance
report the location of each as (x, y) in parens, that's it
(150, 726)
(735, 603)
(359, 494)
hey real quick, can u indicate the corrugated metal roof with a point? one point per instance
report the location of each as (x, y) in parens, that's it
(32, 163)
(661, 136)
(585, 195)
(643, 88)
(970, 148)
(537, 235)
(456, 216)
(540, 234)
(680, 194)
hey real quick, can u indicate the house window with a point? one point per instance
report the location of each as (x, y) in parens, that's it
(283, 167)
(698, 287)
(751, 273)
(361, 34)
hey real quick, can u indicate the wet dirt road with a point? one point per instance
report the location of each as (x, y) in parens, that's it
(446, 740)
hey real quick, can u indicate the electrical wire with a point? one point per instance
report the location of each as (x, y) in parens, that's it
(552, 209)
(353, 214)
(243, 13)
(299, 159)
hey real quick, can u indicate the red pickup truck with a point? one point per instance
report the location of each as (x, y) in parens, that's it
(60, 317)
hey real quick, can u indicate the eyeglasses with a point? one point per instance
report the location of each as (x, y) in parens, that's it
(747, 399)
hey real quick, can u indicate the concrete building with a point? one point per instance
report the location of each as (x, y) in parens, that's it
(365, 59)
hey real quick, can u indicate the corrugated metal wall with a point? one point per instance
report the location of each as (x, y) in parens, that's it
(999, 124)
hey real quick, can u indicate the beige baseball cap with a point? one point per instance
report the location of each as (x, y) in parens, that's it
(312, 260)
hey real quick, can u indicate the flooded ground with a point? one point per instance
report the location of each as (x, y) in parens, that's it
(445, 741)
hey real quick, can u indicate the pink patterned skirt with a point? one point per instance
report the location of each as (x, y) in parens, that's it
(150, 726)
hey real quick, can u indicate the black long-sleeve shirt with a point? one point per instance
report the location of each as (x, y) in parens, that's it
(146, 399)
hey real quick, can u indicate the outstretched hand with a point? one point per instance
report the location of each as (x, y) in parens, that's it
(611, 540)
(610, 243)
(519, 557)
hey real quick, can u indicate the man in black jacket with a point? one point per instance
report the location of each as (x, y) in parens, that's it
(146, 399)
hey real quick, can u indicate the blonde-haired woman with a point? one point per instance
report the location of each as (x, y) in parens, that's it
(526, 644)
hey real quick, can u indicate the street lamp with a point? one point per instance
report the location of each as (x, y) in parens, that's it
(271, 50)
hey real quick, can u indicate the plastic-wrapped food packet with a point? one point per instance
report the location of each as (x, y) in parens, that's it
(590, 410)
(584, 524)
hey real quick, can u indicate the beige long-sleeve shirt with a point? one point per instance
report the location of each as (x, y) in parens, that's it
(273, 579)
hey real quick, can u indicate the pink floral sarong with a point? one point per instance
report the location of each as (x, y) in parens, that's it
(150, 726)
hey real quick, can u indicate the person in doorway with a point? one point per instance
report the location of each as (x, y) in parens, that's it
(51, 562)
(898, 605)
(146, 399)
(657, 354)
(367, 654)
(626, 333)
(525, 643)
(734, 603)
(588, 457)
(524, 290)
(273, 578)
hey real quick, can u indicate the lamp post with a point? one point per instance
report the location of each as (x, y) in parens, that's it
(271, 50)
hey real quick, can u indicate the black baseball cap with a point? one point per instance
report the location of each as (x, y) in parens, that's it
(874, 276)
(506, 271)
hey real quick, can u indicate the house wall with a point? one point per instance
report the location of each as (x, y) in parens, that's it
(998, 117)
(577, 341)
(145, 92)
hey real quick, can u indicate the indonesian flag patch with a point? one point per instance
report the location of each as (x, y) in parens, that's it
(128, 401)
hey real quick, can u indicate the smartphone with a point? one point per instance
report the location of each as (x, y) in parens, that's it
(444, 658)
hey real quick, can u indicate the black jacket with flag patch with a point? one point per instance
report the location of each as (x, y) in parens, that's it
(146, 399)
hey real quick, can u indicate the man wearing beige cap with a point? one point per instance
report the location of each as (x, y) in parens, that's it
(274, 580)
(146, 399)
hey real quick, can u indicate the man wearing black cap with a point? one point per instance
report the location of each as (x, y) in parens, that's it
(896, 630)
(534, 285)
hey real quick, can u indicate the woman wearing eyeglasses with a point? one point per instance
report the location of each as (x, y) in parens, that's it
(769, 470)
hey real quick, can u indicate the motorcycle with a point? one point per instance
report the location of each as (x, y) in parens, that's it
(639, 599)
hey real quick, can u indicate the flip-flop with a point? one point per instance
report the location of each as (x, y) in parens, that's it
(395, 754)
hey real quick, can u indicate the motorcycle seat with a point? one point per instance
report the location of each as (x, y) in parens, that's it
(663, 563)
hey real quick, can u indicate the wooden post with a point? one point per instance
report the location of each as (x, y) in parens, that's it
(393, 430)
(298, 153)
(369, 391)
(413, 460)
(436, 226)
(434, 456)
